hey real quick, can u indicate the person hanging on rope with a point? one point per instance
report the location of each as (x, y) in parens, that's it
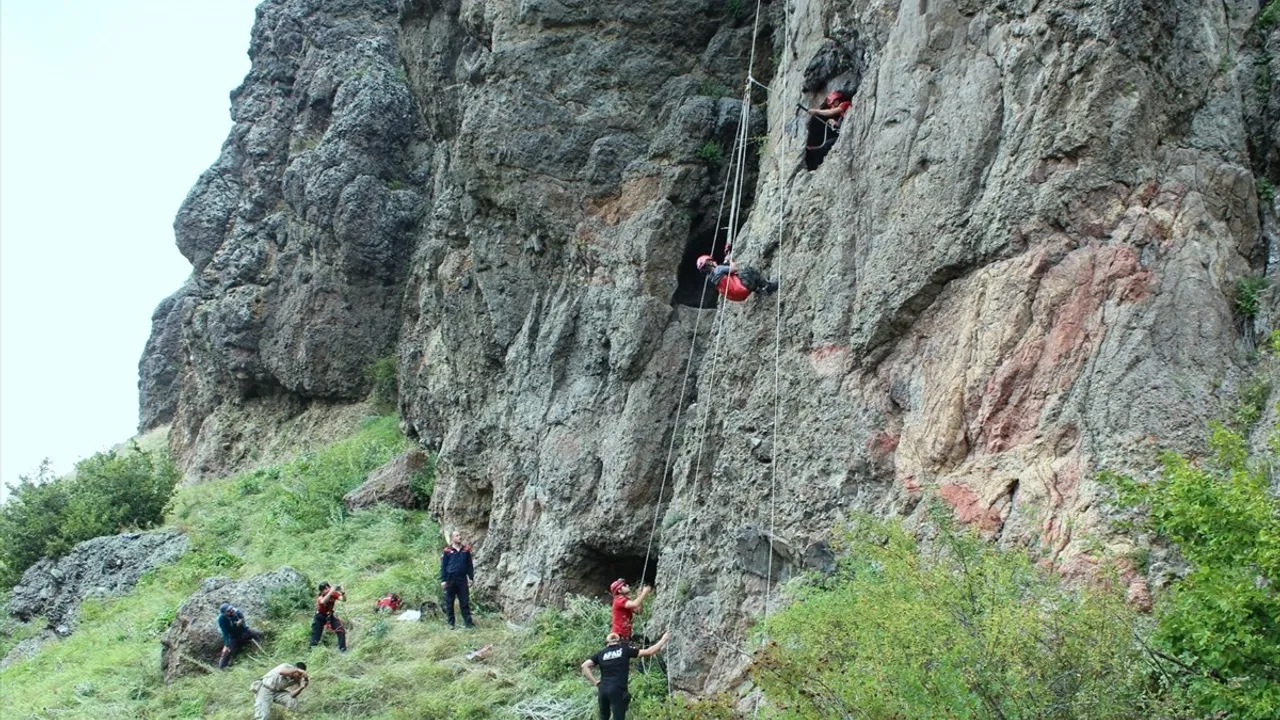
(824, 127)
(614, 662)
(733, 282)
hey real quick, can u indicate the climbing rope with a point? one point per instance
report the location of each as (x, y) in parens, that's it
(684, 386)
(737, 171)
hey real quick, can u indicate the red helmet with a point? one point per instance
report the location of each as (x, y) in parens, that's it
(616, 585)
(703, 260)
(834, 96)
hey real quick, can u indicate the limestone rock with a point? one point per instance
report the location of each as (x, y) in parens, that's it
(102, 567)
(193, 636)
(391, 484)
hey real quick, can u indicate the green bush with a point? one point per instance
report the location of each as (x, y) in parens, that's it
(711, 152)
(108, 493)
(560, 640)
(1217, 638)
(307, 492)
(957, 629)
(1248, 292)
(423, 483)
(1266, 190)
(384, 384)
(1269, 16)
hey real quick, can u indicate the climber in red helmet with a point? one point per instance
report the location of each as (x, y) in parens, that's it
(824, 127)
(624, 608)
(733, 282)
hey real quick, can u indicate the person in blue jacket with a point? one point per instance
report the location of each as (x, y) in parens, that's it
(456, 574)
(235, 633)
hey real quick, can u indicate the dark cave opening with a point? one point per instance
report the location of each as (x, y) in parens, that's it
(593, 568)
(692, 289)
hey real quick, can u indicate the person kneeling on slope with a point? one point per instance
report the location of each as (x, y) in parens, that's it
(280, 686)
(733, 282)
(235, 633)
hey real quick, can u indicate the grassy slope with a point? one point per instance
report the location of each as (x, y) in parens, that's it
(289, 515)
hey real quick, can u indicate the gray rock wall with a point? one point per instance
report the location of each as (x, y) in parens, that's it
(105, 566)
(1017, 265)
(193, 641)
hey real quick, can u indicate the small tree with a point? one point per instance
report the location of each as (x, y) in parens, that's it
(28, 521)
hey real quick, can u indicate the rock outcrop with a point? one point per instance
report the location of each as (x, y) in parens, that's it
(193, 638)
(102, 567)
(160, 368)
(1017, 265)
(391, 484)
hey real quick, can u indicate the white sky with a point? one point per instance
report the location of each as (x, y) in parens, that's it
(109, 111)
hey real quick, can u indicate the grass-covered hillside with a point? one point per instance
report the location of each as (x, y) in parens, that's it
(290, 514)
(925, 622)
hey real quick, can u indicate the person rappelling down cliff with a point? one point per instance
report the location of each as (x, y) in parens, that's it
(735, 283)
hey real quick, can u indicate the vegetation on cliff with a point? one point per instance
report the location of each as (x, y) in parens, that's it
(949, 627)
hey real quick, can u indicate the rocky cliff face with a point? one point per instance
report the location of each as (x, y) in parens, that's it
(1017, 265)
(103, 567)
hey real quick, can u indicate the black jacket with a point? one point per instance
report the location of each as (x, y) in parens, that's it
(456, 564)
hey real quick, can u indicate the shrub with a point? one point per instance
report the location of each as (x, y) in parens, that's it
(385, 388)
(711, 152)
(959, 629)
(109, 492)
(284, 602)
(560, 640)
(423, 483)
(1248, 291)
(1266, 190)
(1251, 404)
(1269, 16)
(307, 492)
(1217, 640)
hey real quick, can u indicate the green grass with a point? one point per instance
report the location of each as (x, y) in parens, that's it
(290, 514)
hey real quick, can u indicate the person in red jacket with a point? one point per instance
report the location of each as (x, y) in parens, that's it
(824, 127)
(625, 608)
(733, 282)
(325, 601)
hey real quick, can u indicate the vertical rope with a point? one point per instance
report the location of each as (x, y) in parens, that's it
(684, 385)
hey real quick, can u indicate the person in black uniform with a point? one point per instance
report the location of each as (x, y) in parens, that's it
(614, 662)
(456, 574)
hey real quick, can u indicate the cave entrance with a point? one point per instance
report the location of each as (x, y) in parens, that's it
(691, 288)
(592, 568)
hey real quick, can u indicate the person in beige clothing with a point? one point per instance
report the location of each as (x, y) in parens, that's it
(280, 686)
